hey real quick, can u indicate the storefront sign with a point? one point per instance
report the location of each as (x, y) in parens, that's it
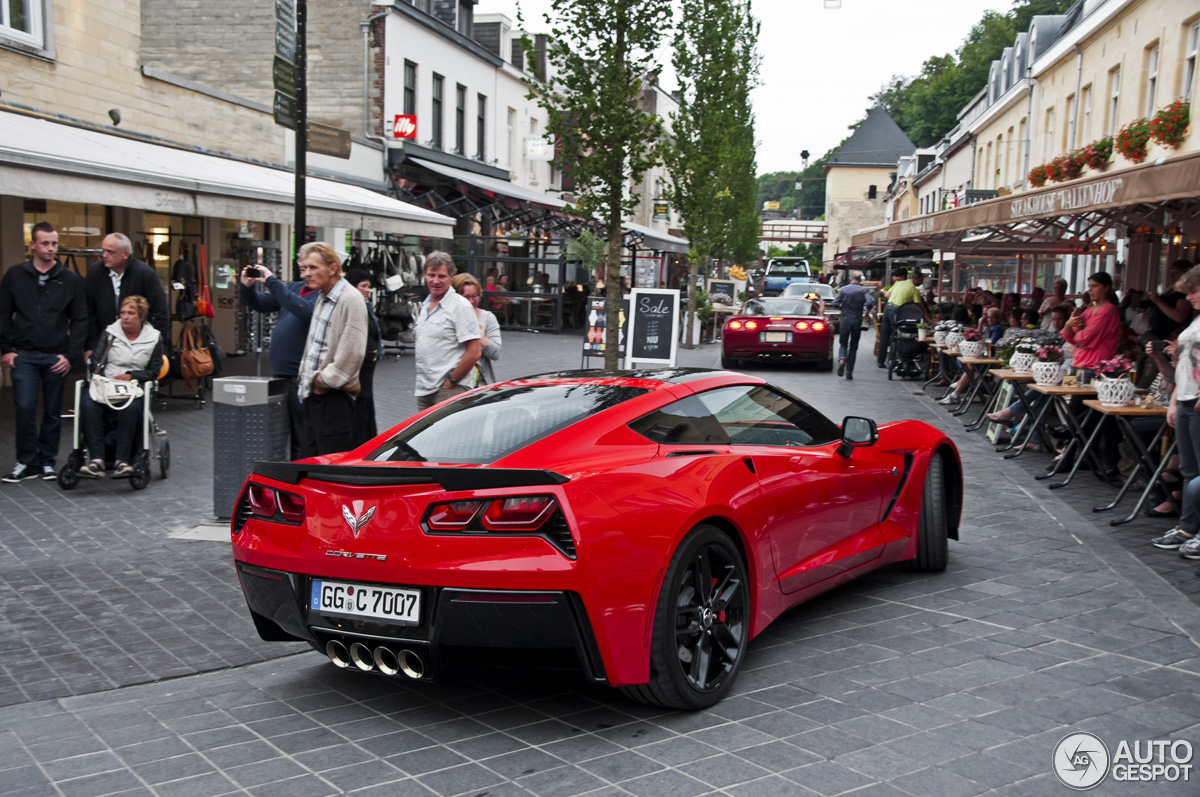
(326, 140)
(653, 327)
(405, 126)
(597, 328)
(1068, 199)
(662, 210)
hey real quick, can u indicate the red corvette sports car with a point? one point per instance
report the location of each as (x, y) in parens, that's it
(778, 329)
(646, 524)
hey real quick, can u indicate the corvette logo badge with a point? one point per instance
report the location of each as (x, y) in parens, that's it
(356, 522)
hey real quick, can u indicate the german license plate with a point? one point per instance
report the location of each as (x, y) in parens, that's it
(379, 603)
(777, 337)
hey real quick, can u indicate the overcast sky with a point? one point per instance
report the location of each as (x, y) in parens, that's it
(820, 66)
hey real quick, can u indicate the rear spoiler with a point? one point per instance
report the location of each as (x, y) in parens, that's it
(450, 479)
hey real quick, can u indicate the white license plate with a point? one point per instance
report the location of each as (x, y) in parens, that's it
(380, 603)
(777, 337)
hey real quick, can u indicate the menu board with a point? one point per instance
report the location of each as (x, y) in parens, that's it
(653, 330)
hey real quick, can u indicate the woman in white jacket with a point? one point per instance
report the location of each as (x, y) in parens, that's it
(467, 286)
(130, 350)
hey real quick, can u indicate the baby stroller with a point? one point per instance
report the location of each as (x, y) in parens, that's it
(153, 445)
(908, 353)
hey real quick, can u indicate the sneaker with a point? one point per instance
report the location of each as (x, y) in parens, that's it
(92, 470)
(1173, 539)
(1190, 549)
(122, 470)
(842, 367)
(953, 398)
(20, 473)
(48, 473)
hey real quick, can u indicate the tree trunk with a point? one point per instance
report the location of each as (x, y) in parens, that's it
(689, 324)
(612, 288)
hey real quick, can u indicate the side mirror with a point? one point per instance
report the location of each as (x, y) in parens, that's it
(857, 432)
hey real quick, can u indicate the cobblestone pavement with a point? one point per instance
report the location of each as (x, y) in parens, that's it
(129, 666)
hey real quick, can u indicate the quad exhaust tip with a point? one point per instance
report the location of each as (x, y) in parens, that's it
(387, 661)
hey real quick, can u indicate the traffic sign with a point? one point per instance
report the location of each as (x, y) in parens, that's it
(285, 110)
(284, 73)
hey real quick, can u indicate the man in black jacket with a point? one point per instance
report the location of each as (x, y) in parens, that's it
(43, 324)
(116, 276)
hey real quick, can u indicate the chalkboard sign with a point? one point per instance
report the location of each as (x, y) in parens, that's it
(653, 334)
(596, 328)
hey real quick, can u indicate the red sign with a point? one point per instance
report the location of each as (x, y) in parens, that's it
(405, 126)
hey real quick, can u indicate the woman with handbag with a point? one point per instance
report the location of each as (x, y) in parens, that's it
(128, 353)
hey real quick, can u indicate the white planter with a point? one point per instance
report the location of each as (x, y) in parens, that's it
(1021, 362)
(1047, 373)
(953, 339)
(922, 334)
(939, 337)
(1114, 392)
(971, 349)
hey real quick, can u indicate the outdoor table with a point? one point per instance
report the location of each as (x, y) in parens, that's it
(936, 350)
(1018, 380)
(1120, 416)
(1059, 396)
(976, 369)
(1035, 413)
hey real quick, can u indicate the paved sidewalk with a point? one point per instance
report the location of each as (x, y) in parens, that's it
(958, 683)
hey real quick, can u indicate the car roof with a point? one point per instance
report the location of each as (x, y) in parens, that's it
(673, 376)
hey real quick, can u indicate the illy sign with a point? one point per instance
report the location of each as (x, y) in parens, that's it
(405, 126)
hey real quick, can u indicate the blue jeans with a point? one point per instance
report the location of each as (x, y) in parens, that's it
(849, 331)
(1187, 432)
(32, 368)
(129, 425)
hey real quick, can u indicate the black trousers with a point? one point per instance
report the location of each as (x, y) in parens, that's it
(329, 422)
(296, 426)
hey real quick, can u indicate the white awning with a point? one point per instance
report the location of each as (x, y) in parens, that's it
(43, 159)
(501, 187)
(655, 239)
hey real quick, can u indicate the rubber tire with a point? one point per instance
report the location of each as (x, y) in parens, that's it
(141, 471)
(933, 547)
(668, 687)
(68, 477)
(164, 458)
(729, 363)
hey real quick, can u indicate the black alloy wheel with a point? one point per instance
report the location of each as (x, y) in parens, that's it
(701, 624)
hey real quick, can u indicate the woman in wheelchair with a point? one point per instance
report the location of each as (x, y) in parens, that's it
(129, 351)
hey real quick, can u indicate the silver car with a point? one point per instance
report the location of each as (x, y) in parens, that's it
(825, 292)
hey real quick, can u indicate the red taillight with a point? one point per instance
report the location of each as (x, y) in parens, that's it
(291, 506)
(453, 516)
(524, 513)
(801, 325)
(262, 500)
(751, 325)
(818, 326)
(735, 325)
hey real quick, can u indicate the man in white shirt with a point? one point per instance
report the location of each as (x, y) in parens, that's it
(447, 334)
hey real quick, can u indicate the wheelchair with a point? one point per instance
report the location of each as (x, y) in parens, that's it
(154, 446)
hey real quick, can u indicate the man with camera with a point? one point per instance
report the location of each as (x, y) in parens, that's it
(295, 304)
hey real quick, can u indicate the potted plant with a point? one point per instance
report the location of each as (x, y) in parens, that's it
(1047, 368)
(1113, 387)
(1024, 353)
(1169, 125)
(1038, 176)
(1133, 140)
(971, 346)
(922, 331)
(1066, 167)
(1098, 155)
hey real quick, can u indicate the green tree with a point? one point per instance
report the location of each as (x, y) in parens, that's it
(711, 156)
(602, 58)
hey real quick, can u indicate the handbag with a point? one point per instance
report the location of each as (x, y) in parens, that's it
(209, 340)
(115, 393)
(195, 360)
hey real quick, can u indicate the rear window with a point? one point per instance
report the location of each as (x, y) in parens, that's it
(796, 269)
(779, 305)
(489, 425)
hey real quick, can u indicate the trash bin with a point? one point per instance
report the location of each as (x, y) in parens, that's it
(250, 424)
